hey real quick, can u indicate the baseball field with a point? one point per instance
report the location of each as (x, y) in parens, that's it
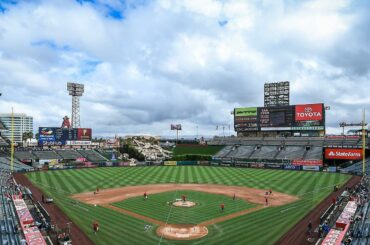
(125, 217)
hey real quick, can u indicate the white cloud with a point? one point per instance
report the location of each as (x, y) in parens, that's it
(178, 61)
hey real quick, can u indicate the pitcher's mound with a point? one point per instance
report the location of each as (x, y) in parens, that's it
(186, 204)
(182, 232)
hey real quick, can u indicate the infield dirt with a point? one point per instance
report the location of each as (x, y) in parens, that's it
(184, 232)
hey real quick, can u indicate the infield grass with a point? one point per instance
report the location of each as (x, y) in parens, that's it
(207, 206)
(261, 227)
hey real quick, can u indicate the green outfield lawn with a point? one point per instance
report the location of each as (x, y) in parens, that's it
(261, 227)
(207, 208)
(196, 150)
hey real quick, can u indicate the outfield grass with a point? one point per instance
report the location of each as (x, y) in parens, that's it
(261, 227)
(196, 150)
(207, 208)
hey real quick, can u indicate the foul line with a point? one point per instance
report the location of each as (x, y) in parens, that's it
(168, 217)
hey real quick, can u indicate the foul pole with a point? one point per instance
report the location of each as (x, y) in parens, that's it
(12, 145)
(363, 144)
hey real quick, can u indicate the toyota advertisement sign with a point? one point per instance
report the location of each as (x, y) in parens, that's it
(343, 154)
(309, 112)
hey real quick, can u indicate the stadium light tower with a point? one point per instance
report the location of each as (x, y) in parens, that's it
(75, 90)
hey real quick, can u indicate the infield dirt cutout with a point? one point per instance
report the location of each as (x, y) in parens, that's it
(181, 231)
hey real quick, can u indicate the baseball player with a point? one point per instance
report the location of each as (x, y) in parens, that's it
(145, 196)
(234, 197)
(95, 226)
(266, 201)
(183, 198)
(222, 207)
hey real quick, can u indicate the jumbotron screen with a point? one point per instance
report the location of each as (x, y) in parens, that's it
(60, 136)
(308, 117)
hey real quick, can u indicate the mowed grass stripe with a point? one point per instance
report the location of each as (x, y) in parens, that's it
(208, 206)
(246, 228)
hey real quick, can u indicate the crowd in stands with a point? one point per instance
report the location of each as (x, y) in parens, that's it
(358, 230)
(8, 220)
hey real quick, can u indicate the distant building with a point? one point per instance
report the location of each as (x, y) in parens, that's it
(22, 124)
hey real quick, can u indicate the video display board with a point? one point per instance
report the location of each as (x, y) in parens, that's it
(309, 117)
(276, 118)
(246, 119)
(59, 136)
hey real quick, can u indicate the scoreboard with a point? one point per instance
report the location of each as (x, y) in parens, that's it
(59, 136)
(309, 117)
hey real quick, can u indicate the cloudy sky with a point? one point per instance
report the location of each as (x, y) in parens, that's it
(147, 64)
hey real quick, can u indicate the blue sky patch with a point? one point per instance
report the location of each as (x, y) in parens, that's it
(51, 44)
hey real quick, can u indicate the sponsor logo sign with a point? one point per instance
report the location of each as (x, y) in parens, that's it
(274, 166)
(342, 137)
(309, 112)
(314, 128)
(84, 134)
(170, 163)
(343, 154)
(311, 168)
(307, 162)
(175, 126)
(276, 129)
(245, 112)
(292, 167)
(332, 169)
(78, 142)
(257, 165)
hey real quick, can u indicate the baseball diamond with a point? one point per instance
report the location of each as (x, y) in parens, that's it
(124, 216)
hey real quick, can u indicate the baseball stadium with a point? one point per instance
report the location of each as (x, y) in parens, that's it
(281, 180)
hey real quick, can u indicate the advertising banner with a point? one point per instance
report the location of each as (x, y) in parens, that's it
(273, 166)
(292, 167)
(78, 142)
(84, 133)
(311, 168)
(33, 236)
(332, 169)
(343, 154)
(307, 162)
(334, 237)
(175, 126)
(342, 137)
(310, 128)
(309, 112)
(257, 165)
(347, 215)
(170, 163)
(245, 112)
(246, 119)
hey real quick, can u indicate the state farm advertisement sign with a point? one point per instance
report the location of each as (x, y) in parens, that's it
(310, 112)
(344, 154)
